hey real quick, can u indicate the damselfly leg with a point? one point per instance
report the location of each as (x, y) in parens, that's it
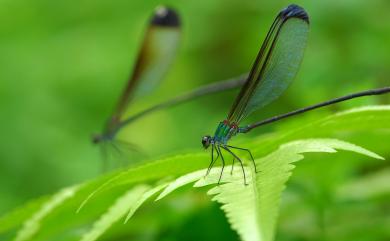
(239, 160)
(223, 162)
(231, 171)
(217, 147)
(120, 153)
(212, 159)
(250, 153)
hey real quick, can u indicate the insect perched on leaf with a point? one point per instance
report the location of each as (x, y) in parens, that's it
(154, 59)
(275, 67)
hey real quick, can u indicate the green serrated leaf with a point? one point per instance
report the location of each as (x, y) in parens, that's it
(152, 171)
(129, 202)
(115, 212)
(181, 181)
(277, 171)
(252, 210)
(32, 225)
(144, 197)
(15, 218)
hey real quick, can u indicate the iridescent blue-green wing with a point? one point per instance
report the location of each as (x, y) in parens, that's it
(156, 55)
(276, 64)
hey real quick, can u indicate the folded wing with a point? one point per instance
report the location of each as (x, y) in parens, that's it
(276, 64)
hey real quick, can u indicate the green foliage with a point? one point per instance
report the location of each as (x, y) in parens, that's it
(64, 64)
(370, 186)
(115, 212)
(251, 210)
(32, 225)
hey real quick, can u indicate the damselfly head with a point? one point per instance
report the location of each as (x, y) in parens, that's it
(165, 17)
(97, 138)
(206, 141)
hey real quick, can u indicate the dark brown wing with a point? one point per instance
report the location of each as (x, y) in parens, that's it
(154, 59)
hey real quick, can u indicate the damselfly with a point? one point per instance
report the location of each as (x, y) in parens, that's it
(275, 67)
(155, 57)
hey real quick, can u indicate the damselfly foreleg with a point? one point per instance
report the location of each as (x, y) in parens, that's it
(223, 162)
(212, 159)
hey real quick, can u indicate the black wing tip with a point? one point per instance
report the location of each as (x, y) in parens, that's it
(295, 11)
(165, 17)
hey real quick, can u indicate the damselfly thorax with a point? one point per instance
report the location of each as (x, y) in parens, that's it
(224, 132)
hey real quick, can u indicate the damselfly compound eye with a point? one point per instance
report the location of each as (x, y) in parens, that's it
(206, 141)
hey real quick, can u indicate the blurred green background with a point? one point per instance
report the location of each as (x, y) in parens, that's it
(63, 65)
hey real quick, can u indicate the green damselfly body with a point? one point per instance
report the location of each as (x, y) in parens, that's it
(275, 67)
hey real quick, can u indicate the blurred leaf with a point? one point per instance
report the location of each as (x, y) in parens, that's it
(115, 212)
(18, 216)
(369, 186)
(152, 171)
(119, 192)
(32, 225)
(368, 118)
